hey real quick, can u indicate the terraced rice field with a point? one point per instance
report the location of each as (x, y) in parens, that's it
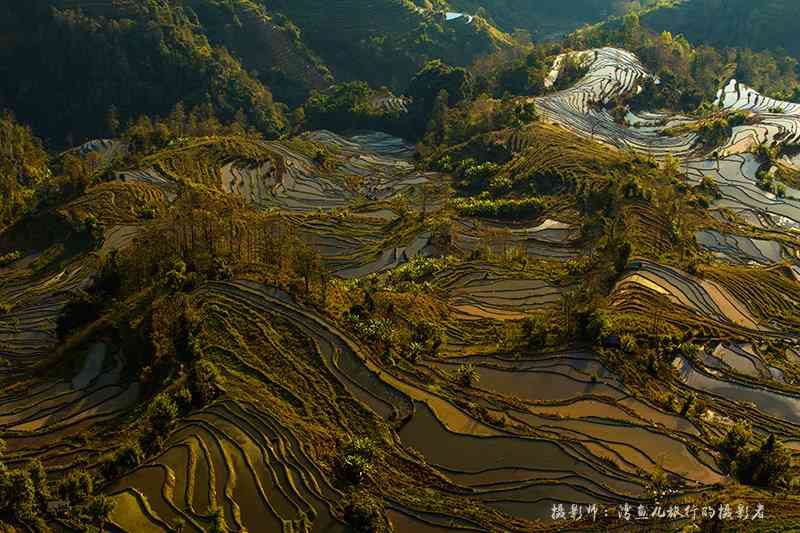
(480, 292)
(562, 400)
(571, 439)
(538, 427)
(38, 419)
(371, 166)
(702, 296)
(780, 406)
(235, 457)
(549, 240)
(612, 73)
(28, 330)
(779, 120)
(741, 250)
(736, 178)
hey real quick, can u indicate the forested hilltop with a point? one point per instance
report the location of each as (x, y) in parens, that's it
(755, 24)
(114, 60)
(375, 266)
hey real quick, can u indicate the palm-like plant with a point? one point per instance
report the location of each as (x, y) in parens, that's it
(468, 374)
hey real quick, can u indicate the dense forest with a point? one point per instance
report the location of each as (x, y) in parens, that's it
(759, 25)
(130, 58)
(544, 19)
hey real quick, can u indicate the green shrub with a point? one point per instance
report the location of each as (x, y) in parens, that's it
(9, 258)
(414, 351)
(205, 382)
(76, 488)
(500, 208)
(356, 463)
(161, 412)
(372, 329)
(145, 212)
(500, 185)
(175, 279)
(477, 175)
(467, 374)
(365, 514)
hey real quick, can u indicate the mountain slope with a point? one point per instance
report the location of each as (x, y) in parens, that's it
(741, 23)
(222, 332)
(270, 46)
(384, 42)
(544, 17)
(240, 57)
(139, 58)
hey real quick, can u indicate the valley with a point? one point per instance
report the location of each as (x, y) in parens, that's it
(585, 302)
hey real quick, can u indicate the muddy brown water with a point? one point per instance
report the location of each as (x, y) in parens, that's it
(405, 523)
(538, 385)
(129, 516)
(150, 481)
(426, 434)
(271, 472)
(177, 459)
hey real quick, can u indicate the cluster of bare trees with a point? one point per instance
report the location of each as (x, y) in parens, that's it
(208, 230)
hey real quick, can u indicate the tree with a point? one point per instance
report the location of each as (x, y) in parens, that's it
(771, 465)
(175, 278)
(535, 330)
(307, 261)
(598, 326)
(438, 127)
(24, 168)
(76, 488)
(364, 513)
(161, 412)
(768, 465)
(468, 375)
(623, 253)
(112, 121)
(99, 509)
(18, 495)
(205, 381)
(430, 81)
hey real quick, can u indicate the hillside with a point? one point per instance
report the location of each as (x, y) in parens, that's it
(556, 288)
(136, 58)
(384, 42)
(544, 19)
(204, 330)
(759, 25)
(126, 58)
